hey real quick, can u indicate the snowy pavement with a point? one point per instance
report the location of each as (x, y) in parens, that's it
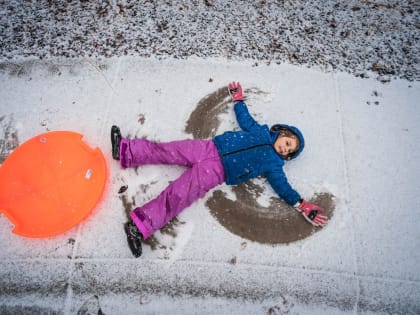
(361, 148)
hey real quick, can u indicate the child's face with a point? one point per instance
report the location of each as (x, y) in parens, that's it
(285, 145)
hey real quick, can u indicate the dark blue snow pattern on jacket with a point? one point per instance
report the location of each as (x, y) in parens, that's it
(249, 153)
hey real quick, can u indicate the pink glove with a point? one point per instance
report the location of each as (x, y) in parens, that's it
(311, 213)
(235, 91)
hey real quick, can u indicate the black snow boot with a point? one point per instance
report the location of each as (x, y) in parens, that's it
(115, 141)
(134, 238)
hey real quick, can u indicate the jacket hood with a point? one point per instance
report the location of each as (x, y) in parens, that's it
(276, 129)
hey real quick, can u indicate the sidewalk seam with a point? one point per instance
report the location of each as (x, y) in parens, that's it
(246, 265)
(69, 296)
(110, 97)
(347, 185)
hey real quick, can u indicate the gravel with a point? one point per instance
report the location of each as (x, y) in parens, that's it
(379, 37)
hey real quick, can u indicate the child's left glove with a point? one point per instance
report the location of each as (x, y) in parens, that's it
(311, 213)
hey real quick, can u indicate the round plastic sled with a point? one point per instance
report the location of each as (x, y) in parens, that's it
(50, 183)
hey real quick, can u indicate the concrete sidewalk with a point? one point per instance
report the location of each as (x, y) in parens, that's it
(362, 148)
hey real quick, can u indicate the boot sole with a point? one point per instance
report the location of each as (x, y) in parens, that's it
(135, 250)
(115, 141)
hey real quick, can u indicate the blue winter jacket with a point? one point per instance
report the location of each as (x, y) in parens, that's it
(249, 153)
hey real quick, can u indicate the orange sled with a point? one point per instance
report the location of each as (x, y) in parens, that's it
(51, 183)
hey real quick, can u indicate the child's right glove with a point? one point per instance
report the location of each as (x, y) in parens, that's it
(235, 91)
(311, 213)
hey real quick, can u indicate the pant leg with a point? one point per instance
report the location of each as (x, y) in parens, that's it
(136, 152)
(190, 186)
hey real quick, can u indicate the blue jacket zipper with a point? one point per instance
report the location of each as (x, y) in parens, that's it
(246, 149)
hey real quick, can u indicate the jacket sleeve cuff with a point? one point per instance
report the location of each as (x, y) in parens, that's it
(297, 204)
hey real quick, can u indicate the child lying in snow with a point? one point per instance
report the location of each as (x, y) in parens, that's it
(233, 157)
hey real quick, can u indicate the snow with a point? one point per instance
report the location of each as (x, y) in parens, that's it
(364, 261)
(344, 72)
(352, 36)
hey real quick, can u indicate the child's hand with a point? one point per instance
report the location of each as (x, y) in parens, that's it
(235, 91)
(312, 213)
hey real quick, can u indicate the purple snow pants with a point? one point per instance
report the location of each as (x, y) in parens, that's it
(204, 171)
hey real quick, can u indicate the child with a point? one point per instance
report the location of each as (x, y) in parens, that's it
(233, 157)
